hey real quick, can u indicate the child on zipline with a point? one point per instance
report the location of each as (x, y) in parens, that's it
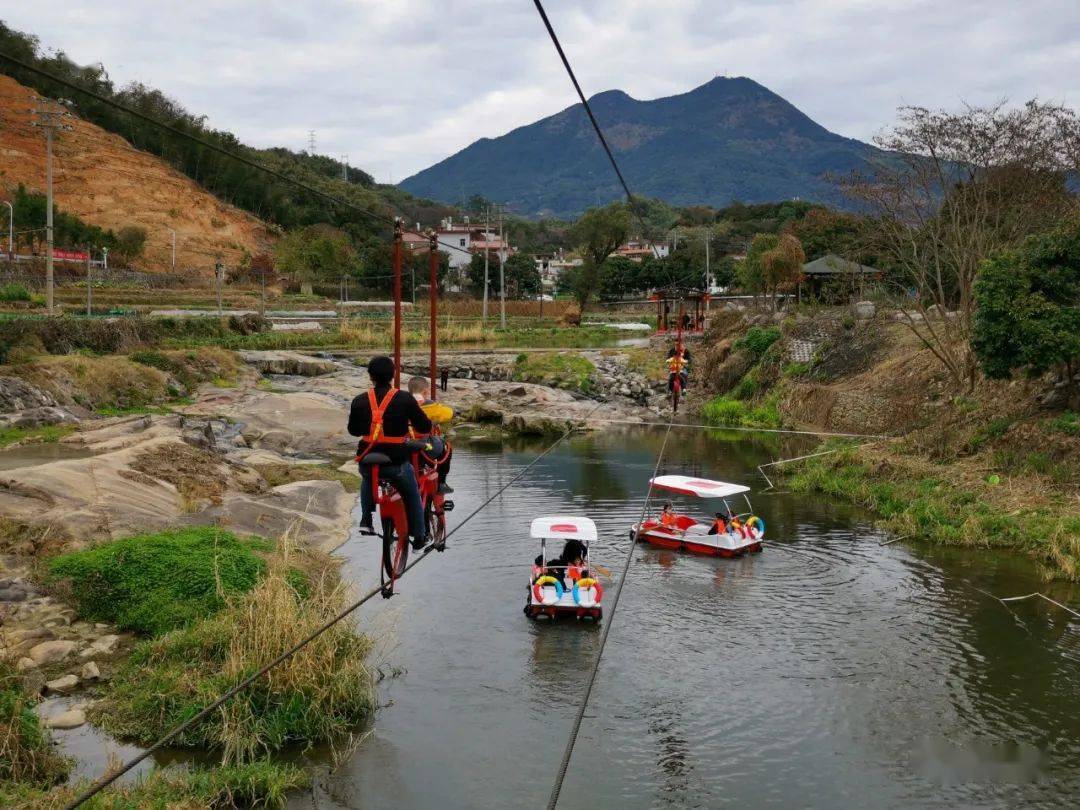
(441, 451)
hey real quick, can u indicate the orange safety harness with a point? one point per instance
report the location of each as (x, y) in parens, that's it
(375, 432)
(676, 363)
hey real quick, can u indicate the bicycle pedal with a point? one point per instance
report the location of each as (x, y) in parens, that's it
(448, 505)
(387, 593)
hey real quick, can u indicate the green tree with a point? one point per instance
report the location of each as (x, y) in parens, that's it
(130, 242)
(522, 276)
(314, 253)
(597, 235)
(619, 277)
(782, 265)
(751, 271)
(1027, 308)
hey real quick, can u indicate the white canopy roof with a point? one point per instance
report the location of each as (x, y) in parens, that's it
(564, 526)
(698, 487)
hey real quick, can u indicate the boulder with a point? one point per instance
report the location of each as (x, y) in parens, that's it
(106, 645)
(63, 685)
(51, 652)
(292, 363)
(13, 593)
(25, 664)
(43, 416)
(19, 395)
(863, 310)
(90, 672)
(72, 718)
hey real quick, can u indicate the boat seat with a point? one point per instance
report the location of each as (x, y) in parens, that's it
(375, 458)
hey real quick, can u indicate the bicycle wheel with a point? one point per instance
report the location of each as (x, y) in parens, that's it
(395, 550)
(436, 524)
(675, 398)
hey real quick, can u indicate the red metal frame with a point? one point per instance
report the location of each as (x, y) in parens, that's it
(398, 235)
(434, 293)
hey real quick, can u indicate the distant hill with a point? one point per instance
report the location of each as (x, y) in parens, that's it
(725, 141)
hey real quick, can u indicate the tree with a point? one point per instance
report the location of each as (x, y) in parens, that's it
(751, 271)
(521, 275)
(130, 241)
(315, 253)
(1027, 314)
(823, 231)
(958, 188)
(597, 235)
(618, 278)
(782, 265)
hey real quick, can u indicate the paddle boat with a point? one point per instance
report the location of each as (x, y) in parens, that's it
(557, 589)
(734, 534)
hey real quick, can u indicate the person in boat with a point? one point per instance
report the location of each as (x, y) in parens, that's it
(439, 414)
(382, 417)
(668, 519)
(678, 362)
(573, 560)
(719, 525)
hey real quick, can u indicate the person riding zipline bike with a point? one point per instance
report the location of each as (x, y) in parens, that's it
(382, 417)
(678, 362)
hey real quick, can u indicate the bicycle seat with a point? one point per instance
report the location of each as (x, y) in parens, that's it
(375, 458)
(414, 446)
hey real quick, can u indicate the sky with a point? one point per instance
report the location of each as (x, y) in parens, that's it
(398, 85)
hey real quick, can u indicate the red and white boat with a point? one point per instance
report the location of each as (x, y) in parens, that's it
(740, 533)
(557, 590)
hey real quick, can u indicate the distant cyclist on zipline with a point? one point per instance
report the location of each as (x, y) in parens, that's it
(381, 417)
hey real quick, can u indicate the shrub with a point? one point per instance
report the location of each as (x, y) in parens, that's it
(15, 292)
(317, 696)
(757, 340)
(153, 583)
(727, 411)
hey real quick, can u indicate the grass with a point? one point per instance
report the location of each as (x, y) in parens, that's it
(278, 474)
(257, 784)
(317, 696)
(26, 754)
(757, 341)
(15, 292)
(1068, 423)
(952, 513)
(47, 434)
(558, 369)
(728, 411)
(153, 583)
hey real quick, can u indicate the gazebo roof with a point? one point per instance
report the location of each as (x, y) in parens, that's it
(832, 265)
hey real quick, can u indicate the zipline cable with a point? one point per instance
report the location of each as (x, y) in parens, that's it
(112, 776)
(560, 777)
(592, 118)
(253, 164)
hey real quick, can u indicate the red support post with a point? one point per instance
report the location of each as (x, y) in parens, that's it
(434, 293)
(397, 302)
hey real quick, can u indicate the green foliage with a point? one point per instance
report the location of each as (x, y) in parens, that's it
(26, 754)
(597, 235)
(567, 370)
(994, 429)
(15, 292)
(46, 434)
(728, 411)
(1027, 313)
(750, 274)
(152, 583)
(314, 253)
(1068, 423)
(757, 341)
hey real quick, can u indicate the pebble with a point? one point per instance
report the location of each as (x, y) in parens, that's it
(73, 718)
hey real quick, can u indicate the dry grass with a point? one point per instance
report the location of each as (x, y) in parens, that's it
(198, 475)
(26, 753)
(278, 474)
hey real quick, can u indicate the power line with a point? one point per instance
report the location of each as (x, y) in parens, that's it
(592, 118)
(113, 775)
(214, 147)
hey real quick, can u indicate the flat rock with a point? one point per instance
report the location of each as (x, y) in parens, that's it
(106, 645)
(51, 652)
(63, 685)
(72, 718)
(274, 362)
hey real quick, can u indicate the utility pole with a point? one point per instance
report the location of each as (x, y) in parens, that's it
(345, 168)
(170, 230)
(11, 231)
(708, 276)
(502, 278)
(219, 272)
(105, 258)
(89, 284)
(487, 227)
(49, 117)
(311, 141)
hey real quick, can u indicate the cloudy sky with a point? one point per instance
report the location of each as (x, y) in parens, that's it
(400, 84)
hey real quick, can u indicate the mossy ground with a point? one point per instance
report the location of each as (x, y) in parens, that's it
(566, 370)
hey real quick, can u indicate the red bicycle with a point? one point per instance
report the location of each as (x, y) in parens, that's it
(393, 519)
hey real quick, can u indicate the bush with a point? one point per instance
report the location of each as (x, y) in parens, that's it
(15, 292)
(723, 411)
(317, 696)
(757, 340)
(153, 583)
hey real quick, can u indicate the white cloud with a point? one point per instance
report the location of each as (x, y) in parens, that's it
(398, 86)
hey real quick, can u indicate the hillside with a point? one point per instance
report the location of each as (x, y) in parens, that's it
(727, 140)
(104, 181)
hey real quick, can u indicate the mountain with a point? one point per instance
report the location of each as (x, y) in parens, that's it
(725, 141)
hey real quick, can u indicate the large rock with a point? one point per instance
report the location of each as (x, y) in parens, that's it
(42, 417)
(51, 652)
(63, 685)
(90, 672)
(25, 664)
(73, 718)
(863, 310)
(19, 395)
(289, 363)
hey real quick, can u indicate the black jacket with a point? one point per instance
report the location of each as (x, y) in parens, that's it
(402, 412)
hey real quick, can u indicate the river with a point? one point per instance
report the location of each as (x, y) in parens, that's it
(828, 671)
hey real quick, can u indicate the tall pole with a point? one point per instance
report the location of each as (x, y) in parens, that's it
(397, 302)
(218, 275)
(487, 218)
(708, 275)
(433, 334)
(173, 265)
(48, 221)
(502, 278)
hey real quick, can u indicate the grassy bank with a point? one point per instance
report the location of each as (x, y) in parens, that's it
(920, 500)
(26, 753)
(566, 370)
(46, 434)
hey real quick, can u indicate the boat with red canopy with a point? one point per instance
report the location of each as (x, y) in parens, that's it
(564, 588)
(728, 534)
